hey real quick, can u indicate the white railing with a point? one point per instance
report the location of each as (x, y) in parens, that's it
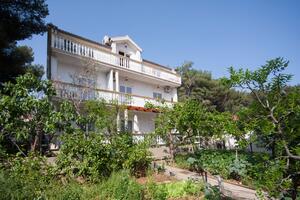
(79, 92)
(74, 47)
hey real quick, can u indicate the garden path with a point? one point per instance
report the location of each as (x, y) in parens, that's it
(228, 189)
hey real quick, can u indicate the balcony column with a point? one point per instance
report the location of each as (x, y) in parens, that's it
(118, 122)
(136, 128)
(53, 69)
(126, 119)
(117, 81)
(110, 80)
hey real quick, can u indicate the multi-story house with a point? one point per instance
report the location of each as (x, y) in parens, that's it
(111, 70)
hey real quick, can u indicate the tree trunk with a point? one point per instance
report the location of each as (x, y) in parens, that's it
(35, 143)
(171, 146)
(295, 187)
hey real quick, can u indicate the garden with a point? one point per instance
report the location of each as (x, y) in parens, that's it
(97, 161)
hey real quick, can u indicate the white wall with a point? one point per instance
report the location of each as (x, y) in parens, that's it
(134, 54)
(146, 120)
(64, 72)
(146, 89)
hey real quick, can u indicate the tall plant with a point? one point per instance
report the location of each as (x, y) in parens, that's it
(274, 116)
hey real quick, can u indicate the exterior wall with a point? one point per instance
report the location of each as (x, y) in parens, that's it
(146, 89)
(67, 53)
(65, 72)
(134, 54)
(143, 122)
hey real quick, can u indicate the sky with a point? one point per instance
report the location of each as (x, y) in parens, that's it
(213, 34)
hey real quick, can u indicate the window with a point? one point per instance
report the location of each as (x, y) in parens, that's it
(157, 95)
(125, 89)
(129, 128)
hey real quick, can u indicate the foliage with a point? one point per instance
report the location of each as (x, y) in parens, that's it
(94, 157)
(138, 160)
(212, 193)
(238, 169)
(27, 117)
(274, 115)
(190, 120)
(178, 189)
(19, 20)
(199, 85)
(248, 168)
(121, 186)
(155, 191)
(24, 178)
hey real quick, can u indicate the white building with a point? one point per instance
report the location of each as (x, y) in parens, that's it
(116, 71)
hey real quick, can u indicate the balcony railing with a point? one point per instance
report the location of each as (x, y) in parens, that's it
(74, 47)
(79, 92)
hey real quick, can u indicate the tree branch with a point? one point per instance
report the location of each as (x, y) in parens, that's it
(290, 154)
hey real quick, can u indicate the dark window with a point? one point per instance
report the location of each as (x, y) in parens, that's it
(124, 89)
(129, 128)
(157, 95)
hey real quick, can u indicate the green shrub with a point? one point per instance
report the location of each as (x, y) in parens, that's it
(120, 186)
(95, 156)
(238, 169)
(249, 168)
(154, 191)
(138, 160)
(184, 188)
(24, 178)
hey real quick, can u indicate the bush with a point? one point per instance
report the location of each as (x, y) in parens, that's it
(95, 156)
(248, 168)
(120, 186)
(154, 191)
(238, 169)
(138, 160)
(24, 178)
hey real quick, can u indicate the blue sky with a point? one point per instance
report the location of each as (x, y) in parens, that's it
(214, 34)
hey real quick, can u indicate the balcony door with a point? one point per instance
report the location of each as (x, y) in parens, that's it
(125, 97)
(124, 59)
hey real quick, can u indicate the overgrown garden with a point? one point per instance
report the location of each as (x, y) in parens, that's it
(96, 161)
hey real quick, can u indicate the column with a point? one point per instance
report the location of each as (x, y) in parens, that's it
(54, 69)
(126, 119)
(118, 122)
(117, 81)
(110, 79)
(135, 123)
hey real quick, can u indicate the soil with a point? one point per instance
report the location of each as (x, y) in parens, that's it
(157, 178)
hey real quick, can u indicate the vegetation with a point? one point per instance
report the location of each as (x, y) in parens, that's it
(250, 169)
(199, 85)
(19, 20)
(96, 161)
(273, 117)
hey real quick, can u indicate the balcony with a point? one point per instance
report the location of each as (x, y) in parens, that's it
(78, 92)
(71, 45)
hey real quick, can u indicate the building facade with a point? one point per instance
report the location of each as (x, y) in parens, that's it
(113, 70)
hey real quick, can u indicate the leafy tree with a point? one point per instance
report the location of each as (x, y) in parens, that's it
(200, 85)
(19, 20)
(190, 119)
(27, 117)
(274, 116)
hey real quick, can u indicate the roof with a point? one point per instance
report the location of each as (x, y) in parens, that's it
(77, 36)
(126, 38)
(153, 63)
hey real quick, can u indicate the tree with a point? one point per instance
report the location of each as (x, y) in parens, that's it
(189, 120)
(200, 85)
(28, 118)
(19, 20)
(274, 115)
